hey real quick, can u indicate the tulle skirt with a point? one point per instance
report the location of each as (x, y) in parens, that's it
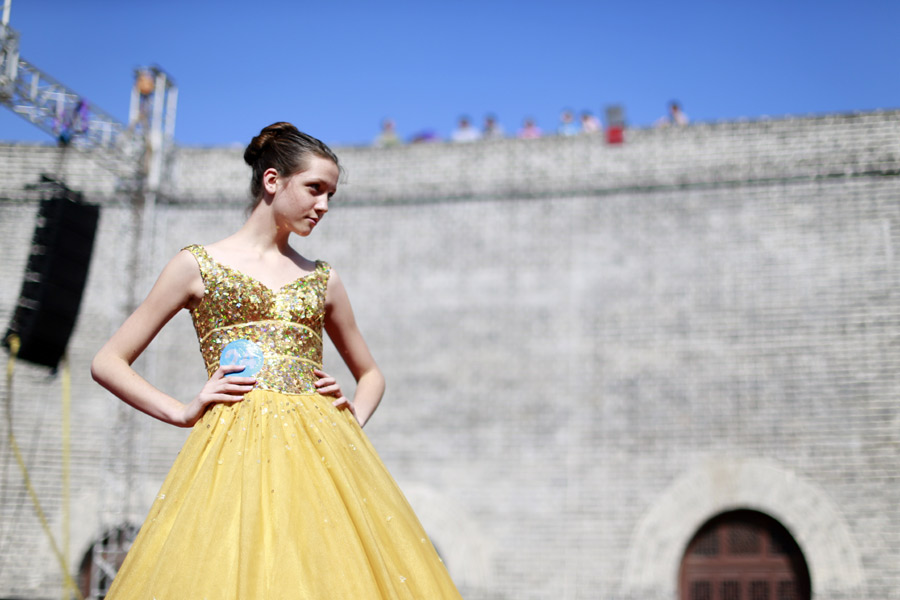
(280, 497)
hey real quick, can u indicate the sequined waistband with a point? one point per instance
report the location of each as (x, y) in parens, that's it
(284, 373)
(291, 352)
(261, 325)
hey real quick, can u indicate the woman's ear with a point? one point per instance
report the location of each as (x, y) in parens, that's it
(270, 180)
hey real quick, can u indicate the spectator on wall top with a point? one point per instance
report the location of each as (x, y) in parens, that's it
(388, 136)
(492, 128)
(567, 125)
(589, 123)
(529, 130)
(676, 116)
(464, 131)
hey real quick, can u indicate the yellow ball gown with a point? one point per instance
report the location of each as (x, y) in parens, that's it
(281, 495)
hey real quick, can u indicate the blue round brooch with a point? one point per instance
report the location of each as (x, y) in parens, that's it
(246, 353)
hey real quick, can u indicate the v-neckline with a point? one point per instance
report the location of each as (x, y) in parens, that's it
(271, 290)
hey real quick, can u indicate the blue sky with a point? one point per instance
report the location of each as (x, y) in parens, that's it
(335, 69)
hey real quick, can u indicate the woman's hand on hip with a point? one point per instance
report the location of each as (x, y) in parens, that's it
(218, 390)
(328, 386)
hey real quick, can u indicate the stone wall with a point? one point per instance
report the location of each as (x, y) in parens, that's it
(591, 350)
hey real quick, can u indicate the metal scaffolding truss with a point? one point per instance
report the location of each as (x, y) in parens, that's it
(135, 152)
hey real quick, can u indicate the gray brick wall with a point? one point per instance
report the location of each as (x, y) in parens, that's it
(590, 350)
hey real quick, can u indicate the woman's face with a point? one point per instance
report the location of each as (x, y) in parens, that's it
(301, 200)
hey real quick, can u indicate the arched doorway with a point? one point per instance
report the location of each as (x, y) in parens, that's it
(743, 555)
(103, 559)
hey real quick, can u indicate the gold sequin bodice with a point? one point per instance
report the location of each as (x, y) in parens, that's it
(286, 323)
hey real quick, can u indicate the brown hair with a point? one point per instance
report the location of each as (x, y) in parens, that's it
(282, 147)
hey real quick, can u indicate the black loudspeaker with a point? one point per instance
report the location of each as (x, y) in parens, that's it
(54, 276)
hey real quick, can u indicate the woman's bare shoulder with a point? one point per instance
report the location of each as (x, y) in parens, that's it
(183, 273)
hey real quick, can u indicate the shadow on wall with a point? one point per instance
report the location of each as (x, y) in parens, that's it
(465, 550)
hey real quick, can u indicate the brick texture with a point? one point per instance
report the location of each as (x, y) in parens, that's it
(591, 350)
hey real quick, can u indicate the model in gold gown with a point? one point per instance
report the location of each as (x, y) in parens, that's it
(277, 493)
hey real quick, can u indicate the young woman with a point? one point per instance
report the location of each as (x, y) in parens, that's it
(277, 493)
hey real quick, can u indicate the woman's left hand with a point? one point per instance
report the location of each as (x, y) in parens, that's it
(328, 386)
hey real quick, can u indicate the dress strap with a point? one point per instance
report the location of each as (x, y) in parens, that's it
(203, 259)
(324, 269)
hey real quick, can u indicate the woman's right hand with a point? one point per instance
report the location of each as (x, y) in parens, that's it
(218, 390)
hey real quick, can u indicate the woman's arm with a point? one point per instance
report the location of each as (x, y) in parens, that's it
(178, 286)
(343, 331)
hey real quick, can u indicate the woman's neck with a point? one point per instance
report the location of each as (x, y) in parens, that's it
(262, 233)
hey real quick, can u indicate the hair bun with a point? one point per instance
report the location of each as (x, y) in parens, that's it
(253, 151)
(258, 144)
